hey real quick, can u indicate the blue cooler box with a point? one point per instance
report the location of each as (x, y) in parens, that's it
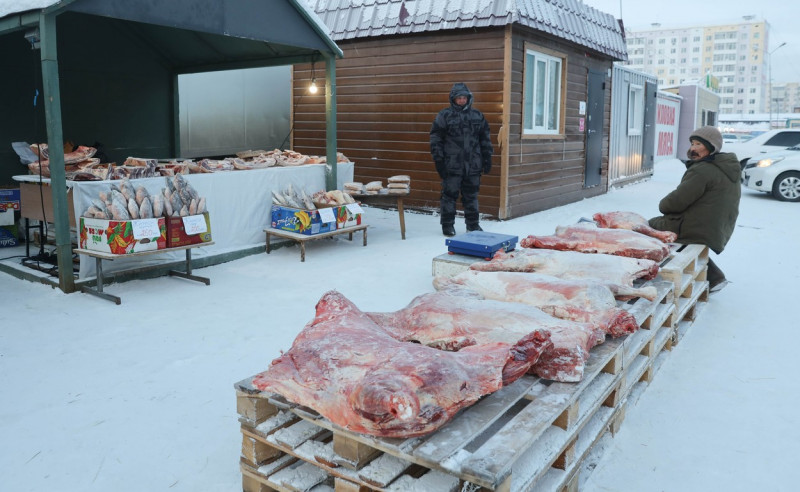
(481, 243)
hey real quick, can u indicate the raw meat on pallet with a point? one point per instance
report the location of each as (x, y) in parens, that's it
(575, 300)
(588, 238)
(633, 222)
(610, 270)
(344, 366)
(449, 321)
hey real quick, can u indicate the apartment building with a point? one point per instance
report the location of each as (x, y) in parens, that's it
(786, 97)
(730, 59)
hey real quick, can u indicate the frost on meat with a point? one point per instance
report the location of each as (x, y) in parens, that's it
(451, 321)
(344, 366)
(575, 300)
(616, 272)
(588, 238)
(634, 222)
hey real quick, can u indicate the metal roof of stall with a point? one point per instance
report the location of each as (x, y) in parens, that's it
(187, 36)
(571, 20)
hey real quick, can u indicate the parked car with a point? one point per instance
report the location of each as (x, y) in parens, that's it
(766, 142)
(735, 137)
(777, 173)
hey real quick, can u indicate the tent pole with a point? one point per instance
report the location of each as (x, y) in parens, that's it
(55, 143)
(331, 178)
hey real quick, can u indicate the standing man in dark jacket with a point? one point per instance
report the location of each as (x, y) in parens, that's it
(704, 207)
(462, 150)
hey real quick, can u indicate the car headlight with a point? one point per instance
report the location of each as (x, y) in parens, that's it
(769, 162)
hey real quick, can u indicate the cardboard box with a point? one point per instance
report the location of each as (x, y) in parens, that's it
(177, 235)
(117, 236)
(346, 217)
(8, 235)
(37, 202)
(9, 199)
(301, 221)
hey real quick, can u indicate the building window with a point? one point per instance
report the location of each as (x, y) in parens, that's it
(542, 93)
(635, 109)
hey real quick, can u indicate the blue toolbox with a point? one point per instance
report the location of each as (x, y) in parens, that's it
(481, 243)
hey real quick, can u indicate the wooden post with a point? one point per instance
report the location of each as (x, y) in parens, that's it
(55, 143)
(330, 122)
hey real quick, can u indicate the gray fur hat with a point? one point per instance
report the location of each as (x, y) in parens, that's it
(708, 136)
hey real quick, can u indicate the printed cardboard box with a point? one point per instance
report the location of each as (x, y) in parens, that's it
(177, 235)
(117, 236)
(8, 235)
(301, 221)
(9, 199)
(345, 217)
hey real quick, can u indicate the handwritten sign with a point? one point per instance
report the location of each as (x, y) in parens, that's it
(326, 215)
(145, 228)
(194, 224)
(354, 208)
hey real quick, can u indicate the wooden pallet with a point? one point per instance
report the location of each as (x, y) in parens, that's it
(686, 268)
(532, 433)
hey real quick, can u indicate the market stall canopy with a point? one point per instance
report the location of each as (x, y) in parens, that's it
(106, 71)
(198, 35)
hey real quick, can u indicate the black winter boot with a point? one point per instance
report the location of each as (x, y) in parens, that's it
(448, 230)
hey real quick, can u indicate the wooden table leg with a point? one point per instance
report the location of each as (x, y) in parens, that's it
(365, 236)
(268, 243)
(302, 251)
(402, 215)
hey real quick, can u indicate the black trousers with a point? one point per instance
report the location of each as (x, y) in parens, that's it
(714, 274)
(467, 187)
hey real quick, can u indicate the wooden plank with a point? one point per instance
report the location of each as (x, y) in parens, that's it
(296, 434)
(383, 470)
(299, 477)
(492, 462)
(351, 453)
(433, 481)
(472, 421)
(254, 409)
(252, 484)
(111, 256)
(342, 485)
(258, 452)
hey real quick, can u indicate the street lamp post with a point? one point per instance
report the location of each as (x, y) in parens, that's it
(769, 66)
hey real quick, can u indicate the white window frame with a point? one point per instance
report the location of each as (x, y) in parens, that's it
(635, 109)
(548, 86)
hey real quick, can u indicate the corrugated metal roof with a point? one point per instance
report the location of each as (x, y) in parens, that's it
(571, 20)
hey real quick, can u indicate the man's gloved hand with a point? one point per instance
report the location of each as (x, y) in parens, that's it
(441, 169)
(487, 166)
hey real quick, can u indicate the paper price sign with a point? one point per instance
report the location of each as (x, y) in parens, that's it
(194, 224)
(354, 208)
(145, 228)
(326, 215)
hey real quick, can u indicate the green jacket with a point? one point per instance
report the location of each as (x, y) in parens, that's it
(704, 207)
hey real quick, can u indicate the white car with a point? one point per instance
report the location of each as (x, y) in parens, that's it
(761, 144)
(735, 137)
(777, 173)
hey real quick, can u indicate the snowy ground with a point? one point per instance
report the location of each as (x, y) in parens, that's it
(135, 397)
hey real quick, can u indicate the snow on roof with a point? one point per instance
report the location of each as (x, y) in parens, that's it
(8, 7)
(571, 20)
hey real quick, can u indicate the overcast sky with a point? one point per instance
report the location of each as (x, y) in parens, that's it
(782, 16)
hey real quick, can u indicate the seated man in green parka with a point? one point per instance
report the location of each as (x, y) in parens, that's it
(704, 207)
